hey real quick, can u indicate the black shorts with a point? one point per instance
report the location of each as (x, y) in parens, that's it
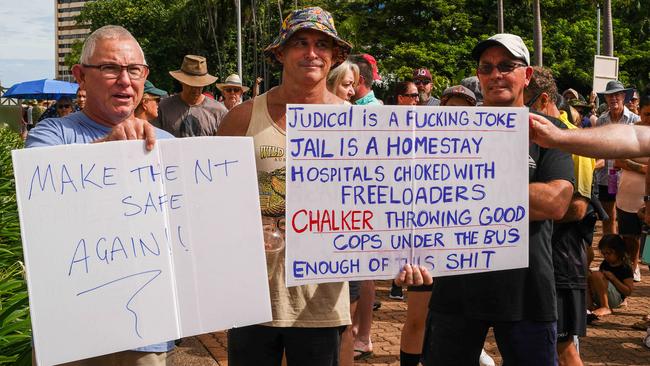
(262, 345)
(628, 223)
(571, 314)
(453, 339)
(355, 290)
(423, 288)
(604, 195)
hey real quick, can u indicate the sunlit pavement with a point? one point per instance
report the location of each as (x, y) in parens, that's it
(610, 341)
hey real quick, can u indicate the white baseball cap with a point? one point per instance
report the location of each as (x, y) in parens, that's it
(513, 43)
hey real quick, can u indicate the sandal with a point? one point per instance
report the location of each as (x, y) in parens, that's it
(361, 354)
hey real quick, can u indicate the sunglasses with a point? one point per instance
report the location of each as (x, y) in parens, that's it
(503, 67)
(231, 90)
(411, 95)
(63, 106)
(155, 99)
(422, 82)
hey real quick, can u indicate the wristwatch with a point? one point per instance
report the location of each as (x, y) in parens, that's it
(646, 198)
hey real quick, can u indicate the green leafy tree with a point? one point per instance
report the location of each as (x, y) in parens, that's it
(402, 35)
(169, 29)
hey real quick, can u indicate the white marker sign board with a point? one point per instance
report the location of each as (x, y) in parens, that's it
(605, 70)
(372, 188)
(126, 248)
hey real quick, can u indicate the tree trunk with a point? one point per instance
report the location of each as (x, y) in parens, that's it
(537, 34)
(499, 16)
(608, 40)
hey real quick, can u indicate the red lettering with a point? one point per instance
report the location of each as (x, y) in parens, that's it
(293, 221)
(367, 215)
(331, 220)
(314, 221)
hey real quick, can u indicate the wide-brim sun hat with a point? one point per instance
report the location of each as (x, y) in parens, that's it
(308, 18)
(194, 72)
(233, 80)
(614, 87)
(571, 91)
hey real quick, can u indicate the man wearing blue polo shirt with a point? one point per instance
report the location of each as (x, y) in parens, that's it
(113, 72)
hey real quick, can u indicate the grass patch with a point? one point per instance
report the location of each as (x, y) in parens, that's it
(15, 327)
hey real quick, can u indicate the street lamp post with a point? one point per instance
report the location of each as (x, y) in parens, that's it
(598, 29)
(239, 62)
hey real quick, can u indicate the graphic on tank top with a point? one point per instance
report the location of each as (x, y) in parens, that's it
(272, 192)
(272, 183)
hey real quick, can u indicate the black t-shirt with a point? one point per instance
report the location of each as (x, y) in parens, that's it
(570, 241)
(517, 294)
(622, 271)
(569, 256)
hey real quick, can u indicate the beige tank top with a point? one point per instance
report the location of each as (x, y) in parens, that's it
(324, 305)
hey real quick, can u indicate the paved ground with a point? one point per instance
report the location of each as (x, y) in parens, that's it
(610, 341)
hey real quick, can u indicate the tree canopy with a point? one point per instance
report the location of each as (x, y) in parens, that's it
(401, 34)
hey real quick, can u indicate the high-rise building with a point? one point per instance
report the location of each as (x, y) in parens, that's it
(67, 32)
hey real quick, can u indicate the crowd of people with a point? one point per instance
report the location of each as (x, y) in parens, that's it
(537, 313)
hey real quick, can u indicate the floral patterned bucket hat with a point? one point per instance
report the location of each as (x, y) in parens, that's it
(308, 18)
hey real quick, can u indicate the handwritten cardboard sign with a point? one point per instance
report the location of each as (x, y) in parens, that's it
(125, 248)
(372, 188)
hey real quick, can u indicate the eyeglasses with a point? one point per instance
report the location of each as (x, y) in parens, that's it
(232, 90)
(532, 100)
(63, 106)
(411, 95)
(503, 67)
(422, 82)
(113, 71)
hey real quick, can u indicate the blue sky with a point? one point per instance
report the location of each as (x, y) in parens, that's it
(26, 40)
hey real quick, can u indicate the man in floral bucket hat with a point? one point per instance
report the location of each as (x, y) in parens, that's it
(307, 320)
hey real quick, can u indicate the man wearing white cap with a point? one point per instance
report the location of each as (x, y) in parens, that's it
(232, 91)
(190, 113)
(519, 304)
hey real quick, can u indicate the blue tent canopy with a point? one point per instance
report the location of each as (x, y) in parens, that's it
(42, 89)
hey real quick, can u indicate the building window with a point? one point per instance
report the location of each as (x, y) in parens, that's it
(70, 10)
(67, 19)
(72, 36)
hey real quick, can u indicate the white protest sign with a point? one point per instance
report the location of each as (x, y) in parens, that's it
(125, 248)
(372, 188)
(605, 70)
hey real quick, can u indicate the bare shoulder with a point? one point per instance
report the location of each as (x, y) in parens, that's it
(331, 98)
(237, 120)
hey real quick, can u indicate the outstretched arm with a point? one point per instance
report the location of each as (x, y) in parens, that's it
(609, 141)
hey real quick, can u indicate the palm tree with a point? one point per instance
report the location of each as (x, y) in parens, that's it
(608, 40)
(537, 34)
(499, 16)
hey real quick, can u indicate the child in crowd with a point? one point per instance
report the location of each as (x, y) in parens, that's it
(613, 282)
